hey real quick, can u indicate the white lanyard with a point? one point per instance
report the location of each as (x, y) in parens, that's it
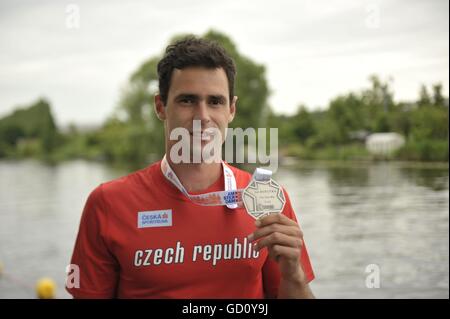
(231, 197)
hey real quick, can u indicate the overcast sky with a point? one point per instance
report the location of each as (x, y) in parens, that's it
(313, 50)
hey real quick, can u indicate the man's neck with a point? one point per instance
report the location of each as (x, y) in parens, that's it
(196, 177)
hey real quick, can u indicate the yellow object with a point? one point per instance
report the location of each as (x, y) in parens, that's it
(45, 288)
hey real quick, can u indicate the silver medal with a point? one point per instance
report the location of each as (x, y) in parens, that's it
(263, 197)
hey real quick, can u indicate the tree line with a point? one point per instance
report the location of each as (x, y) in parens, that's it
(133, 136)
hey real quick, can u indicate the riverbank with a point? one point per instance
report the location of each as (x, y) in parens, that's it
(431, 151)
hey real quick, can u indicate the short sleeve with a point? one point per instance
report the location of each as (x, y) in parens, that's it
(271, 273)
(98, 268)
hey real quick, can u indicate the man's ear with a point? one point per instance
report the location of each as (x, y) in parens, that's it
(160, 109)
(232, 109)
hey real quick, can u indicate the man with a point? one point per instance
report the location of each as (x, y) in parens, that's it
(162, 232)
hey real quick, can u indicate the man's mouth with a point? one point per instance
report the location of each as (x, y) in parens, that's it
(205, 135)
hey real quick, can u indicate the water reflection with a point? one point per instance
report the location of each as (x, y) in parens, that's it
(383, 214)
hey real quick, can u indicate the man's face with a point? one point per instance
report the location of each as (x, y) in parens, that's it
(197, 93)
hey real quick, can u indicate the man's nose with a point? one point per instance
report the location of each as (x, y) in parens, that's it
(202, 112)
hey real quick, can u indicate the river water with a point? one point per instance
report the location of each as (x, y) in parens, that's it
(378, 230)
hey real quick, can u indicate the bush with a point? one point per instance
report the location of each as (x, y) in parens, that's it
(424, 150)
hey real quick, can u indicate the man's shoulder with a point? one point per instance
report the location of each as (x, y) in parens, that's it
(128, 183)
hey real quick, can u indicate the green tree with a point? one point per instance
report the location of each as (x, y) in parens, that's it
(303, 124)
(30, 123)
(438, 98)
(424, 97)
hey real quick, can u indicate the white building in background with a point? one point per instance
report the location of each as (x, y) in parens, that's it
(384, 143)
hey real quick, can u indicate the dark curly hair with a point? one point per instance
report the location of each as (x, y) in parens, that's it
(197, 52)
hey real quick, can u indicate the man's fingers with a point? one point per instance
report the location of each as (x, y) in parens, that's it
(272, 228)
(277, 251)
(274, 218)
(279, 239)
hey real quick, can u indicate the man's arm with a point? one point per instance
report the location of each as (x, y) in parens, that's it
(98, 269)
(284, 241)
(292, 289)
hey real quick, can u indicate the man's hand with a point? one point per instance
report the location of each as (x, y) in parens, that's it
(284, 240)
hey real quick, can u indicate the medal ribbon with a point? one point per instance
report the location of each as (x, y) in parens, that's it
(231, 196)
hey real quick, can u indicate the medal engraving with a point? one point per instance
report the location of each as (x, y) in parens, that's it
(263, 197)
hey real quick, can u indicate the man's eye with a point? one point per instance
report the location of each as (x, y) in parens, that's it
(187, 100)
(215, 101)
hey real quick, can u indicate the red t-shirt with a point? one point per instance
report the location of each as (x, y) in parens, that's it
(140, 237)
